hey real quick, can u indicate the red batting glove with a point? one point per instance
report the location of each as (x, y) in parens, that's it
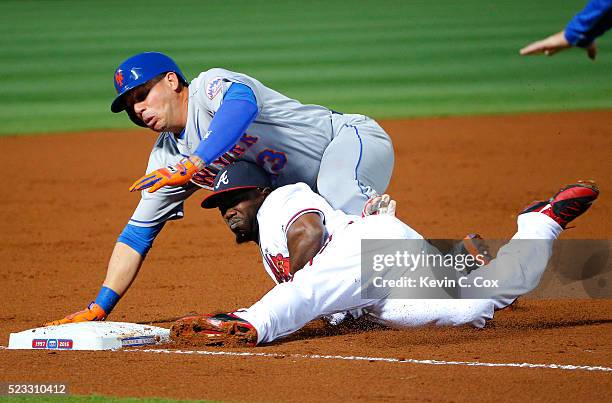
(176, 175)
(93, 312)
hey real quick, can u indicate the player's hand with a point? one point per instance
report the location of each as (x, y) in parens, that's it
(553, 44)
(176, 175)
(378, 205)
(94, 312)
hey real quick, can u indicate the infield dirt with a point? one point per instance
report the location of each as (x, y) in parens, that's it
(65, 200)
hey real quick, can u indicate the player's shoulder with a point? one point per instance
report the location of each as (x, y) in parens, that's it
(213, 82)
(287, 192)
(208, 83)
(284, 203)
(218, 73)
(280, 197)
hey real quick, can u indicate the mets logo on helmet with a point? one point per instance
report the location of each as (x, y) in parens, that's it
(119, 78)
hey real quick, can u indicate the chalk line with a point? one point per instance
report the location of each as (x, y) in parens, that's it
(566, 367)
(377, 359)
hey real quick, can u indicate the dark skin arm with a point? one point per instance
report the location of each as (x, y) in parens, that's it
(305, 238)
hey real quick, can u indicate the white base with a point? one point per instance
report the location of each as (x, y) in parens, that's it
(88, 336)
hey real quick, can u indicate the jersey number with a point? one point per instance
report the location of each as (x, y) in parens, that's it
(276, 160)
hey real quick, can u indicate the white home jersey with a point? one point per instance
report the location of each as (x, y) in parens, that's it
(279, 211)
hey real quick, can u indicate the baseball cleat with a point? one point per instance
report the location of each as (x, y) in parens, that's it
(224, 329)
(568, 203)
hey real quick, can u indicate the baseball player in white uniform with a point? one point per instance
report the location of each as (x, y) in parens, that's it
(313, 252)
(218, 118)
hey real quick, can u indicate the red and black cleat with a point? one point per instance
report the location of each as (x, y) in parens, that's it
(568, 203)
(214, 330)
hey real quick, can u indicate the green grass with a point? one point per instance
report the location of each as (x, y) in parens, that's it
(382, 58)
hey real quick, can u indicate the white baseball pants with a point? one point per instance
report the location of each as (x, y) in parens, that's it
(333, 282)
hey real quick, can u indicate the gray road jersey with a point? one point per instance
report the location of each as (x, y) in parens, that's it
(287, 139)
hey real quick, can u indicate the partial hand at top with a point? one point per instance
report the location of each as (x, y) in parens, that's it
(553, 44)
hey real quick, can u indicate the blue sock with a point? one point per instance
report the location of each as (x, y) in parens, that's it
(107, 299)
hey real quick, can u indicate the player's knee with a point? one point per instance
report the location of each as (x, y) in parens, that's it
(325, 187)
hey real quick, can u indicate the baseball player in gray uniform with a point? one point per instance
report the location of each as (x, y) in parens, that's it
(218, 118)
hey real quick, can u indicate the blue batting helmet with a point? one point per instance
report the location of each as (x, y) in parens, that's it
(137, 70)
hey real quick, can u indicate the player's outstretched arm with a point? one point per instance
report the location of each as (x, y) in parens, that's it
(547, 46)
(554, 44)
(305, 238)
(582, 30)
(122, 270)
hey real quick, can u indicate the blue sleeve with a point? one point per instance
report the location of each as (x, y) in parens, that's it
(236, 113)
(140, 238)
(593, 21)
